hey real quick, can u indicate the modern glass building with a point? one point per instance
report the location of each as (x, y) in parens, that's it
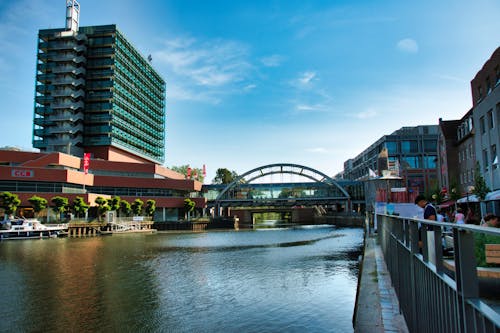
(96, 94)
(411, 152)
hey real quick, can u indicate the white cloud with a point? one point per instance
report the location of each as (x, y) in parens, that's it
(274, 60)
(310, 108)
(249, 87)
(408, 45)
(212, 63)
(317, 150)
(368, 113)
(307, 77)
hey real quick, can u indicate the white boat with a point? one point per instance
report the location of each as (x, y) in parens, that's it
(21, 228)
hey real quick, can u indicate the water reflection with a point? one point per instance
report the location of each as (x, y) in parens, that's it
(288, 280)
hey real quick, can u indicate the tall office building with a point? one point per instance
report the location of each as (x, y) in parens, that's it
(95, 93)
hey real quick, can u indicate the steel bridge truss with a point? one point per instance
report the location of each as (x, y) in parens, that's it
(244, 192)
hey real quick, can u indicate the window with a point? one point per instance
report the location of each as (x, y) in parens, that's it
(490, 119)
(430, 162)
(480, 92)
(488, 86)
(471, 152)
(482, 126)
(392, 147)
(497, 71)
(485, 159)
(410, 146)
(430, 146)
(494, 157)
(410, 162)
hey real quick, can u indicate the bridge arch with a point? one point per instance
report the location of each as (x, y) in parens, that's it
(284, 168)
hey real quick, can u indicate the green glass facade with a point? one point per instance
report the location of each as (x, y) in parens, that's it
(123, 100)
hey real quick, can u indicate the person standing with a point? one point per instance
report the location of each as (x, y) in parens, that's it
(459, 216)
(430, 212)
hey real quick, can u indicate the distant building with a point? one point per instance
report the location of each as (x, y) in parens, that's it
(411, 153)
(57, 174)
(96, 94)
(465, 133)
(448, 165)
(486, 115)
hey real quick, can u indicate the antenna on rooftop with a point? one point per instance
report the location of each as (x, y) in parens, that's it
(72, 15)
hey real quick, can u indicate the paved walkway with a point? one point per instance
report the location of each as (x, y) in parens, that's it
(378, 307)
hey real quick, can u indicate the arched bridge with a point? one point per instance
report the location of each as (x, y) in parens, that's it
(315, 189)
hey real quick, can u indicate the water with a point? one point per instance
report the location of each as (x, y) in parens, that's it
(252, 281)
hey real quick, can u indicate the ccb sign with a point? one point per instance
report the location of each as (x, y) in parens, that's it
(23, 173)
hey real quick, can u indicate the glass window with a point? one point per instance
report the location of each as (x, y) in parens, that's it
(430, 162)
(490, 119)
(410, 162)
(494, 157)
(485, 159)
(392, 147)
(410, 146)
(430, 145)
(482, 125)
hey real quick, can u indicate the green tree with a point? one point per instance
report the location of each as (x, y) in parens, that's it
(125, 207)
(224, 176)
(114, 203)
(137, 206)
(38, 203)
(150, 207)
(60, 205)
(102, 206)
(480, 187)
(189, 206)
(183, 169)
(80, 207)
(9, 202)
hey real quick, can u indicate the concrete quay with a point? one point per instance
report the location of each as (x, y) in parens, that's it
(377, 307)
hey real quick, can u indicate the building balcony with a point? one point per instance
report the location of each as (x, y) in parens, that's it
(44, 99)
(75, 94)
(43, 111)
(43, 122)
(68, 70)
(68, 105)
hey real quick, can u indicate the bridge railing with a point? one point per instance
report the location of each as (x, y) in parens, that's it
(433, 297)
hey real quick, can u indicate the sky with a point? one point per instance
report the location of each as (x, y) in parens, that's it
(252, 83)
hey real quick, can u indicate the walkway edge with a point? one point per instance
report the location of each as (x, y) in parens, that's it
(377, 308)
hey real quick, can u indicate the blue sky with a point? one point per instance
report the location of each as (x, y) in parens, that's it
(250, 83)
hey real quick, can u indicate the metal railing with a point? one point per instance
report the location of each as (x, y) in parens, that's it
(432, 298)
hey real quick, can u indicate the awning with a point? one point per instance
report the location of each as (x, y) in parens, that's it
(446, 204)
(470, 198)
(495, 195)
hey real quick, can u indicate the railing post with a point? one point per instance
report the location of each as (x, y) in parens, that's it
(466, 276)
(438, 249)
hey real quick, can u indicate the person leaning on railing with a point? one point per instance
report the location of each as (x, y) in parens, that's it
(490, 220)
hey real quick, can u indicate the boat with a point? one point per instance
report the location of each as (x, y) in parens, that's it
(22, 228)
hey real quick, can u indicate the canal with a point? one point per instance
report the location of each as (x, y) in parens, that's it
(288, 280)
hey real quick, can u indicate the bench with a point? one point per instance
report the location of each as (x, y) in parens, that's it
(492, 253)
